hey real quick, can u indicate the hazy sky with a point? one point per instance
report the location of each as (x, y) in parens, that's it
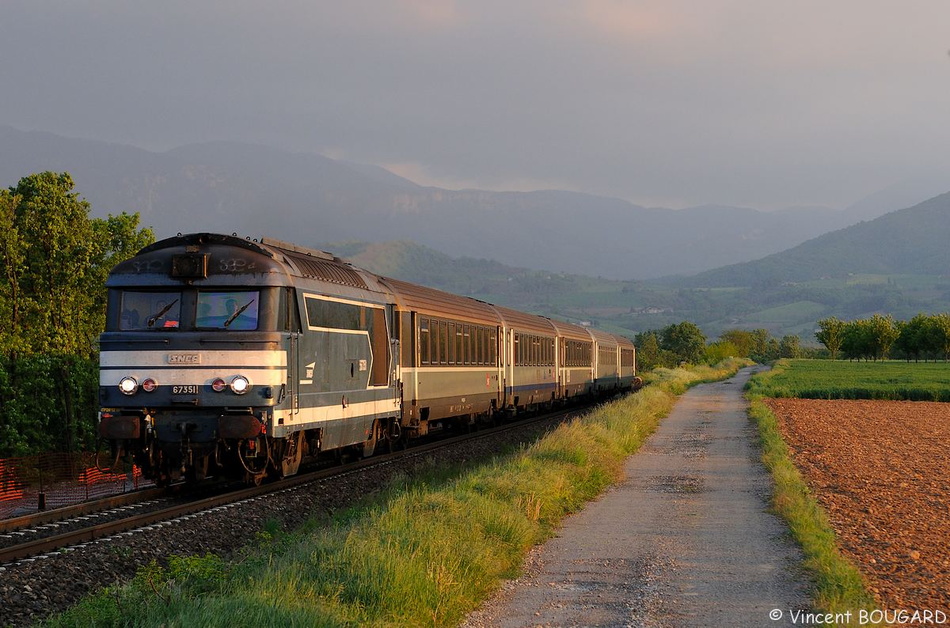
(666, 102)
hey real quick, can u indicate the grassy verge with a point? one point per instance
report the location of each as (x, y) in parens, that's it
(839, 586)
(423, 553)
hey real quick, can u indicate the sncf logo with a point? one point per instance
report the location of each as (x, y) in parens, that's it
(184, 358)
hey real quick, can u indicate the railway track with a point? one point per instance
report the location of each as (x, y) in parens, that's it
(37, 536)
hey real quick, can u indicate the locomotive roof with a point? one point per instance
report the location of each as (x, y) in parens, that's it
(316, 264)
(198, 256)
(230, 259)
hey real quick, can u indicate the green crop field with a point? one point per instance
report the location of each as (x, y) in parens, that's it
(836, 379)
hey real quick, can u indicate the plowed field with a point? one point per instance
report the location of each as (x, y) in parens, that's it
(880, 470)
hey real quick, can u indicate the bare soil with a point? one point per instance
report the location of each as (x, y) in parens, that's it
(881, 472)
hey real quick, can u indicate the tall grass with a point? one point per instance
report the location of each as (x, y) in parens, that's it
(838, 585)
(424, 553)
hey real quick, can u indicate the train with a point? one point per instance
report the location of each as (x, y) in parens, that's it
(235, 357)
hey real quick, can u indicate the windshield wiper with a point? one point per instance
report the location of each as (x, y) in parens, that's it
(237, 313)
(161, 313)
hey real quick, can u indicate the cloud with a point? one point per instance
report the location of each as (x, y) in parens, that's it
(719, 101)
(632, 20)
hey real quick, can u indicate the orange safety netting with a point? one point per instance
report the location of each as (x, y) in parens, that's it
(53, 480)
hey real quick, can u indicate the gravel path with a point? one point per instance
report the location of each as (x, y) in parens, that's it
(685, 540)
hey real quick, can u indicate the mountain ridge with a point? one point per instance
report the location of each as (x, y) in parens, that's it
(908, 241)
(308, 198)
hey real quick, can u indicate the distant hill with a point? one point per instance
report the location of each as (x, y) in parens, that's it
(304, 198)
(912, 241)
(899, 195)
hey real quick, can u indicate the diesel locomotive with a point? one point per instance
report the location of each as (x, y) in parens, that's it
(229, 356)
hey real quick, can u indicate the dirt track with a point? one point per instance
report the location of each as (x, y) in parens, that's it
(880, 470)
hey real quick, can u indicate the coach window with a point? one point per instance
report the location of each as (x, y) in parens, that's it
(424, 340)
(443, 342)
(480, 357)
(451, 343)
(406, 338)
(467, 344)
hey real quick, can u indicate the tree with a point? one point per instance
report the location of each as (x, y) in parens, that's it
(789, 347)
(764, 347)
(11, 257)
(720, 350)
(940, 330)
(831, 334)
(741, 339)
(685, 340)
(913, 337)
(648, 350)
(883, 333)
(52, 308)
(56, 259)
(856, 340)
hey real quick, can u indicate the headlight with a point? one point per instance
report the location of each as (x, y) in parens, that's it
(240, 385)
(128, 385)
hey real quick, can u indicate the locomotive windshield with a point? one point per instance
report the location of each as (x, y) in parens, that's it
(150, 310)
(227, 310)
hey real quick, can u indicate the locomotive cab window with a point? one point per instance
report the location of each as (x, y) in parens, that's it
(236, 310)
(149, 310)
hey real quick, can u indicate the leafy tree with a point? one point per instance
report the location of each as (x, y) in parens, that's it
(720, 350)
(56, 259)
(648, 350)
(649, 353)
(685, 340)
(52, 309)
(11, 257)
(856, 340)
(940, 334)
(789, 347)
(742, 339)
(914, 337)
(763, 348)
(831, 334)
(883, 333)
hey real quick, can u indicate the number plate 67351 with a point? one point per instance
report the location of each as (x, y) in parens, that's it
(190, 389)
